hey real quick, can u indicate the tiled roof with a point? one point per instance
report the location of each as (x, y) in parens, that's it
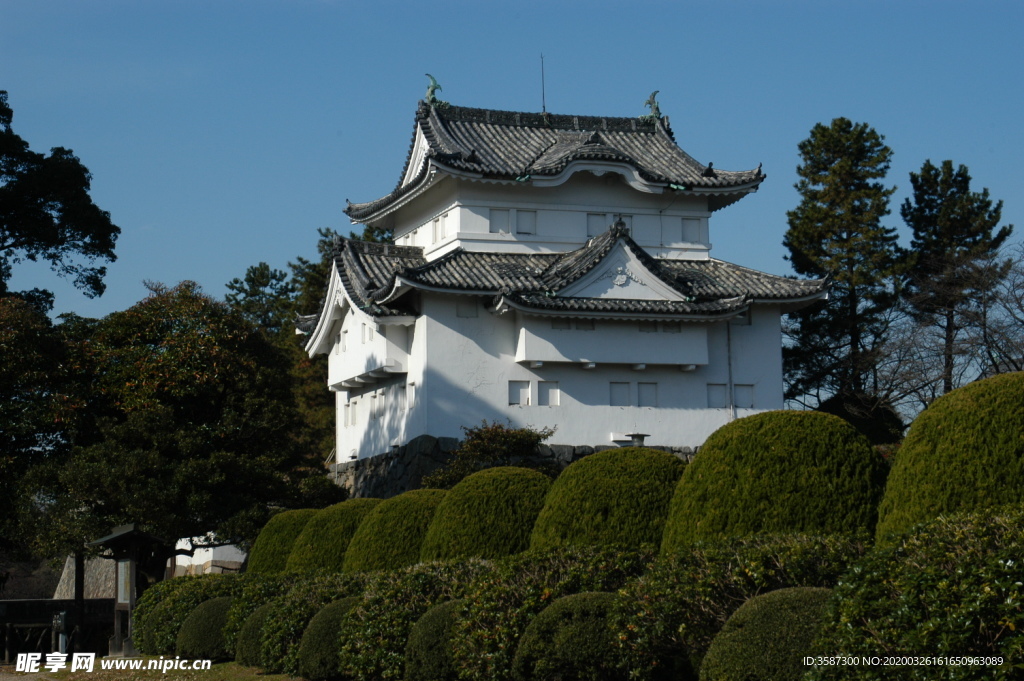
(377, 277)
(513, 145)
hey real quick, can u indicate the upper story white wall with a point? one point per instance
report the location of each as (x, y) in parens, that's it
(488, 216)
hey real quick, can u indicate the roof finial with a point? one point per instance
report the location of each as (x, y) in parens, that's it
(431, 89)
(652, 103)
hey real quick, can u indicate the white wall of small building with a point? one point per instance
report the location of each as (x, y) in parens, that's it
(460, 214)
(460, 368)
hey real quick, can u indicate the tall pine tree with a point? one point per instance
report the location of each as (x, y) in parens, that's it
(837, 232)
(955, 269)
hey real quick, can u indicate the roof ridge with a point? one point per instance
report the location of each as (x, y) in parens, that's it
(544, 119)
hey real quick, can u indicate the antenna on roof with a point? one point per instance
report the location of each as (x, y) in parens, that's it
(543, 99)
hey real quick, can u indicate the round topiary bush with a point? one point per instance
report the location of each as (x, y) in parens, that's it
(964, 452)
(290, 615)
(318, 651)
(270, 551)
(322, 544)
(501, 604)
(952, 587)
(200, 636)
(570, 640)
(391, 534)
(428, 654)
(767, 637)
(163, 608)
(248, 642)
(487, 515)
(256, 590)
(666, 618)
(618, 496)
(778, 471)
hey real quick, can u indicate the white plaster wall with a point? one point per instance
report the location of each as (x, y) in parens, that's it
(561, 216)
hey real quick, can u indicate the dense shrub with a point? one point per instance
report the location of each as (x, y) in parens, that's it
(391, 534)
(569, 640)
(488, 515)
(965, 452)
(767, 637)
(618, 496)
(487, 445)
(375, 633)
(665, 620)
(255, 591)
(322, 544)
(290, 615)
(270, 551)
(318, 651)
(165, 606)
(428, 654)
(781, 471)
(501, 605)
(248, 641)
(953, 587)
(200, 636)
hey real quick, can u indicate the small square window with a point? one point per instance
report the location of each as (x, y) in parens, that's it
(584, 324)
(648, 327)
(560, 324)
(647, 394)
(519, 393)
(744, 396)
(499, 221)
(619, 394)
(548, 393)
(717, 396)
(526, 222)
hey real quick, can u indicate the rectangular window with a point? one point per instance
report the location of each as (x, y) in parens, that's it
(560, 324)
(519, 393)
(526, 222)
(619, 394)
(348, 414)
(410, 397)
(547, 393)
(648, 327)
(691, 230)
(744, 396)
(403, 397)
(344, 340)
(499, 221)
(597, 223)
(717, 396)
(672, 327)
(584, 324)
(671, 231)
(647, 394)
(467, 308)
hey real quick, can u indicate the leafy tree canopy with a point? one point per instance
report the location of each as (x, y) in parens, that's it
(184, 427)
(955, 269)
(46, 212)
(836, 231)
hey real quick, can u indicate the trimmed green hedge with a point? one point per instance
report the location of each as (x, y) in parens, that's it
(665, 619)
(318, 651)
(952, 587)
(376, 631)
(767, 637)
(618, 496)
(255, 591)
(270, 551)
(500, 606)
(488, 515)
(200, 636)
(428, 654)
(248, 641)
(164, 606)
(570, 640)
(391, 535)
(322, 544)
(290, 615)
(965, 452)
(780, 471)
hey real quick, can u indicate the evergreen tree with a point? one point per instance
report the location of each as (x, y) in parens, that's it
(955, 269)
(837, 232)
(265, 297)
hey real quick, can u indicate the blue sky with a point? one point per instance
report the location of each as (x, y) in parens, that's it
(223, 133)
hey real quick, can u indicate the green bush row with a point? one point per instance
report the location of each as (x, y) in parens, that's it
(163, 607)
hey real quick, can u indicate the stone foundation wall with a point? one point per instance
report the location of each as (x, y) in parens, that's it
(402, 469)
